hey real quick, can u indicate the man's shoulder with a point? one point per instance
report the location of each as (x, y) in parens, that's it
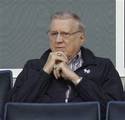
(37, 63)
(88, 55)
(33, 63)
(102, 60)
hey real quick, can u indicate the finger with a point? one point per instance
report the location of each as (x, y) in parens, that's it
(59, 57)
(58, 72)
(65, 71)
(62, 58)
(59, 53)
(54, 72)
(62, 74)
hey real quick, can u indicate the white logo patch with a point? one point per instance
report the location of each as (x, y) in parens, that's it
(87, 71)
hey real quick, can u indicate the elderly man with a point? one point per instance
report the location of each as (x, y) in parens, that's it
(67, 72)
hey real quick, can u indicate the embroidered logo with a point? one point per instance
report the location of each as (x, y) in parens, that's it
(87, 71)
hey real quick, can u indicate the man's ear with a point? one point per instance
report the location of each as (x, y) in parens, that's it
(82, 38)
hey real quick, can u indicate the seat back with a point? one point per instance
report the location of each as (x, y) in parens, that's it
(115, 110)
(52, 111)
(124, 94)
(5, 85)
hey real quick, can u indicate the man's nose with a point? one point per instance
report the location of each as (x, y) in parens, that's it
(59, 38)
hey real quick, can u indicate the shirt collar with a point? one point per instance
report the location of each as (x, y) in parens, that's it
(76, 62)
(77, 56)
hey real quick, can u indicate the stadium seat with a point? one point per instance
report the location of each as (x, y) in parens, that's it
(5, 85)
(52, 111)
(116, 110)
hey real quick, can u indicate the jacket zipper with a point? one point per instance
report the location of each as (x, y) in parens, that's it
(67, 94)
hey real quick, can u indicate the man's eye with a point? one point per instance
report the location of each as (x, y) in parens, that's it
(66, 34)
(54, 33)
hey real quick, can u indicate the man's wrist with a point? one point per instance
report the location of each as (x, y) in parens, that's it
(46, 70)
(77, 81)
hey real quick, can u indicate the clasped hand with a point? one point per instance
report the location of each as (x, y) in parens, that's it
(57, 63)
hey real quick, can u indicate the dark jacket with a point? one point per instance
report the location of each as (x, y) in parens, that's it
(100, 82)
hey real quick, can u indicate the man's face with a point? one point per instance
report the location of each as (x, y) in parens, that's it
(62, 39)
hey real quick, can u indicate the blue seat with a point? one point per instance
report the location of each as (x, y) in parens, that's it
(5, 85)
(52, 111)
(116, 110)
(124, 95)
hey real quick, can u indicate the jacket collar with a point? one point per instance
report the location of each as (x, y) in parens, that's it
(87, 56)
(44, 57)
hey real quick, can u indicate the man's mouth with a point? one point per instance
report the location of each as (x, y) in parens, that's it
(60, 49)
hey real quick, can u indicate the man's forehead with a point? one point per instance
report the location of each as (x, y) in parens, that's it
(69, 22)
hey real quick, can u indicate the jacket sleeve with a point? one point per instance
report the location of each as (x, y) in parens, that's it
(110, 89)
(29, 84)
